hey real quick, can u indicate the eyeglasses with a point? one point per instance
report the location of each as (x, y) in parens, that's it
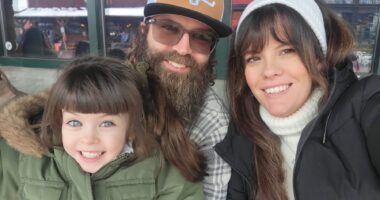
(168, 32)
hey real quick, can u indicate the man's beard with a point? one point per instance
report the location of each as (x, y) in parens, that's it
(185, 91)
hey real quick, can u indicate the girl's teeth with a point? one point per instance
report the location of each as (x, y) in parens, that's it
(176, 64)
(278, 89)
(91, 154)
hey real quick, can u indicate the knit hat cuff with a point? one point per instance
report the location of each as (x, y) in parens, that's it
(308, 9)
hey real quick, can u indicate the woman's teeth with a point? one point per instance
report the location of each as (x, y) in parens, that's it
(275, 90)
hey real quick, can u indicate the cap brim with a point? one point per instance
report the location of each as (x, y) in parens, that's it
(158, 8)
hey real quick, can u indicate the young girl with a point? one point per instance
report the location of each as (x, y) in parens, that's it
(300, 116)
(92, 145)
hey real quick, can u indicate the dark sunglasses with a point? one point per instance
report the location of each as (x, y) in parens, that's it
(168, 32)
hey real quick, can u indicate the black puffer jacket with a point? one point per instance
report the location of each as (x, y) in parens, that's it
(332, 160)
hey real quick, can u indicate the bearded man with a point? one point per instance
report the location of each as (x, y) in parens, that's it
(176, 51)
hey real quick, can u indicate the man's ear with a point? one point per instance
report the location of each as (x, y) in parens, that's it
(142, 27)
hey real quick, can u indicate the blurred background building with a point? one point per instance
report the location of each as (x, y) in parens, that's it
(65, 29)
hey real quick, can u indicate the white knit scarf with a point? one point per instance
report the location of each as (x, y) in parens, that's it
(289, 130)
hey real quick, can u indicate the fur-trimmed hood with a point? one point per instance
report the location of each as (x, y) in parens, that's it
(16, 119)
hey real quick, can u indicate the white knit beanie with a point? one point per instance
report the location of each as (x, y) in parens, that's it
(308, 9)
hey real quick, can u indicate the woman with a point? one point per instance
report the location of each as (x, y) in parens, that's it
(300, 116)
(34, 44)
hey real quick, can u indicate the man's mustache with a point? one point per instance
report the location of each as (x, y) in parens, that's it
(180, 59)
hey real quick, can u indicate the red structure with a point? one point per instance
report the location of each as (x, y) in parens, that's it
(237, 8)
(60, 3)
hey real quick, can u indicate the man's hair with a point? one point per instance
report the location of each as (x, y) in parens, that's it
(166, 123)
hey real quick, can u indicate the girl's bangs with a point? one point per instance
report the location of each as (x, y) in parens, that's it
(94, 97)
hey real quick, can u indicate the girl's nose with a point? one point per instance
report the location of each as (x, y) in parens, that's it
(90, 136)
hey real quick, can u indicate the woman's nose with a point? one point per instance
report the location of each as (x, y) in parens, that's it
(271, 68)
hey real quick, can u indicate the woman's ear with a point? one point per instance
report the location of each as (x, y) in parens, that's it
(319, 66)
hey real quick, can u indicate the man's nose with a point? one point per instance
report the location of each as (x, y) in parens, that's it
(183, 46)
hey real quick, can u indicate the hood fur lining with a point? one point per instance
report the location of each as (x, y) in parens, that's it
(15, 127)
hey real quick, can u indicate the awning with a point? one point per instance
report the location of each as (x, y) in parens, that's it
(130, 12)
(52, 12)
(77, 12)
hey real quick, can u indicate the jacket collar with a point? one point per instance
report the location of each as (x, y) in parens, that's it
(71, 170)
(16, 120)
(340, 79)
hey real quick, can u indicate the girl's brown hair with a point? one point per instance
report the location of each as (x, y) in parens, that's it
(286, 26)
(97, 85)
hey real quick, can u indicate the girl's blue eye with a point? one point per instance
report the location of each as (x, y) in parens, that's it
(74, 123)
(107, 124)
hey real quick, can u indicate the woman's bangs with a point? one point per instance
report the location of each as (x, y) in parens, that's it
(264, 23)
(254, 38)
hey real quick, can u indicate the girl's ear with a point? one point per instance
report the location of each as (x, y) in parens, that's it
(129, 145)
(130, 137)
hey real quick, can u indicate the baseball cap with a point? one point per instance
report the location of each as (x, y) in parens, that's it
(209, 12)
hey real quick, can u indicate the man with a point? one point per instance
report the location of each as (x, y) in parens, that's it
(178, 43)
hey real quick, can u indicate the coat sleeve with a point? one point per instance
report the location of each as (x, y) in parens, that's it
(9, 178)
(172, 185)
(371, 127)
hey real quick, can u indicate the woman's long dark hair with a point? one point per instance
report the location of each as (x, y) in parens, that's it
(286, 26)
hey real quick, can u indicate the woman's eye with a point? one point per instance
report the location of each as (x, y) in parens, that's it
(251, 59)
(107, 124)
(288, 50)
(74, 123)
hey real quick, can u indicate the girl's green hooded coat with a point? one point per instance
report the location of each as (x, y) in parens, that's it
(29, 170)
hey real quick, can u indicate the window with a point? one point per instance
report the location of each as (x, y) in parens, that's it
(363, 19)
(45, 28)
(122, 22)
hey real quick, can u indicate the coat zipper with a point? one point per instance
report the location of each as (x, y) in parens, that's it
(311, 129)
